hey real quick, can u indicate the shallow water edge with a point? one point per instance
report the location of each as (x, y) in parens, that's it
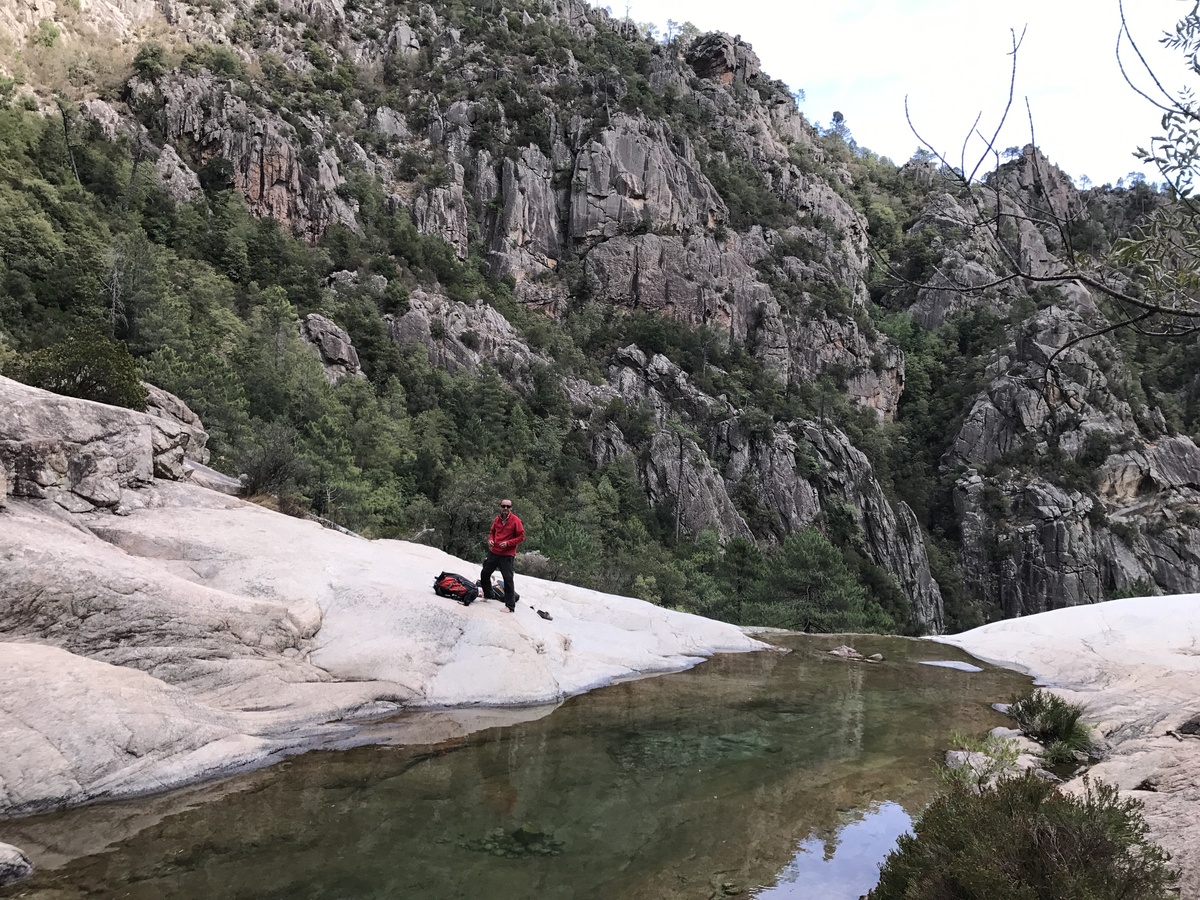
(651, 788)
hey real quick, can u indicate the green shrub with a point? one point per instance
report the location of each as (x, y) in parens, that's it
(217, 59)
(272, 464)
(997, 759)
(151, 60)
(1050, 720)
(89, 365)
(1023, 840)
(1062, 753)
(47, 34)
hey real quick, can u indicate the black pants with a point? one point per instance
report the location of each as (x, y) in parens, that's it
(493, 562)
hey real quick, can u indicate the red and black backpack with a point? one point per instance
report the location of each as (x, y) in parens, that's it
(456, 588)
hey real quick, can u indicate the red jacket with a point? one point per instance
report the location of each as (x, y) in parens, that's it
(510, 533)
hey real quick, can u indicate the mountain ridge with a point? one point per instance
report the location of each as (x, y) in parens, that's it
(648, 250)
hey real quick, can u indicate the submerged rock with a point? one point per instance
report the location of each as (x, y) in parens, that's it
(847, 652)
(524, 841)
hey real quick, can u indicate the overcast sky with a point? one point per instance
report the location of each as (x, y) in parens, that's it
(951, 59)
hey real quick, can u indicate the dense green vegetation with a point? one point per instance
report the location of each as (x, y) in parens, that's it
(1054, 723)
(1025, 840)
(204, 300)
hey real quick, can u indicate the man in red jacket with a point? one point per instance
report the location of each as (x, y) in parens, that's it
(506, 534)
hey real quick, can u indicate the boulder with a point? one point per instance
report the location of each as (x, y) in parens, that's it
(718, 56)
(82, 454)
(846, 652)
(165, 405)
(14, 865)
(338, 357)
(403, 40)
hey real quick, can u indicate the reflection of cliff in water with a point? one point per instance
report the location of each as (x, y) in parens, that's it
(668, 787)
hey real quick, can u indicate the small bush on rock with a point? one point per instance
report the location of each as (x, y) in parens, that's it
(1052, 722)
(1023, 840)
(978, 764)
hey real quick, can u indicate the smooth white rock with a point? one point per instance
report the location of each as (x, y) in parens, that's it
(199, 633)
(14, 865)
(1134, 665)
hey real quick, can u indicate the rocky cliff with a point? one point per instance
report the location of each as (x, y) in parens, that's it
(1069, 485)
(602, 177)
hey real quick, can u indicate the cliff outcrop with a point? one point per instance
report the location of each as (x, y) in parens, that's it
(1069, 487)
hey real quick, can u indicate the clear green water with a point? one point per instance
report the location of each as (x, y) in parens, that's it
(767, 775)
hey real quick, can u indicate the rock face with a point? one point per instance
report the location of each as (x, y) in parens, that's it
(1067, 487)
(200, 633)
(632, 176)
(170, 172)
(629, 197)
(789, 475)
(338, 357)
(1117, 520)
(891, 535)
(255, 149)
(14, 865)
(83, 455)
(696, 452)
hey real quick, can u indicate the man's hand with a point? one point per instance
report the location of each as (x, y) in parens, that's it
(503, 544)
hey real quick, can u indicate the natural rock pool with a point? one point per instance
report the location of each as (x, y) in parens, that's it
(773, 775)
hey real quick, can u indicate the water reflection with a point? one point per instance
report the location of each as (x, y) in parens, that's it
(690, 785)
(846, 866)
